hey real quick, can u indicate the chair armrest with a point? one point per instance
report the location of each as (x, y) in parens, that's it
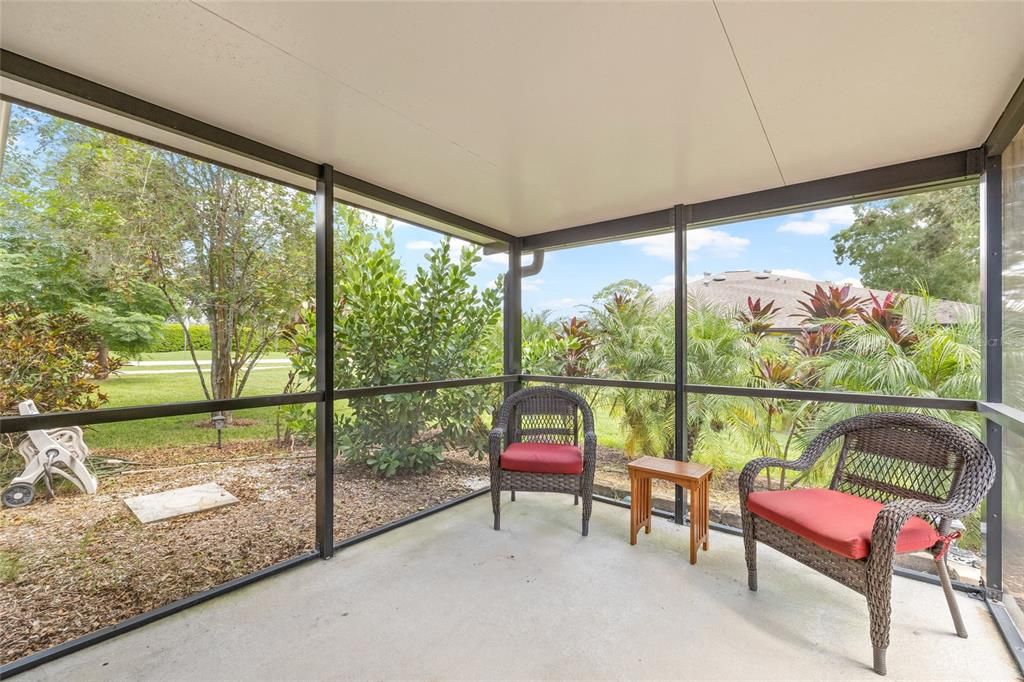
(494, 441)
(755, 466)
(589, 445)
(895, 514)
(888, 524)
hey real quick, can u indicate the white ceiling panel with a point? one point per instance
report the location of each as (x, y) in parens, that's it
(844, 86)
(536, 116)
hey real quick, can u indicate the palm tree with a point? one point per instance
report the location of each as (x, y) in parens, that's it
(636, 340)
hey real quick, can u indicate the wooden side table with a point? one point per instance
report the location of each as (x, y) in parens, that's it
(696, 478)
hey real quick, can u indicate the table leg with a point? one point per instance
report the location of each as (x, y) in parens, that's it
(647, 504)
(707, 513)
(694, 522)
(634, 507)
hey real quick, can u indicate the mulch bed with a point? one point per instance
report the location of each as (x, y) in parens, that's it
(84, 562)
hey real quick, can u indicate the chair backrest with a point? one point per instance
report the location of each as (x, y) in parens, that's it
(901, 455)
(544, 415)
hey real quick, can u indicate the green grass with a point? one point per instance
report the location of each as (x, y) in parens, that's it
(129, 389)
(10, 567)
(149, 389)
(200, 354)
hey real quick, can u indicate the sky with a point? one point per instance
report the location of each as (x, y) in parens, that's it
(797, 245)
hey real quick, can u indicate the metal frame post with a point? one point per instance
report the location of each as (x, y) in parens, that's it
(512, 324)
(991, 249)
(679, 220)
(325, 362)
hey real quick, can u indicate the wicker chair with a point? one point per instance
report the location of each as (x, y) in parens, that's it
(904, 478)
(534, 446)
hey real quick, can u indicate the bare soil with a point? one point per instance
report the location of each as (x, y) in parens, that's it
(79, 563)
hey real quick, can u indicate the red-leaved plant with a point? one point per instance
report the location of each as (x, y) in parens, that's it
(887, 315)
(758, 318)
(832, 304)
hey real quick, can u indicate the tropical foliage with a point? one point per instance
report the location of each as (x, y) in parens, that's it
(390, 329)
(876, 345)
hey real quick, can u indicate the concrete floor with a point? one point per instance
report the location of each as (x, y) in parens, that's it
(449, 598)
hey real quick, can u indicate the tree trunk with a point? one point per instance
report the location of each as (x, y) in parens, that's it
(103, 361)
(221, 375)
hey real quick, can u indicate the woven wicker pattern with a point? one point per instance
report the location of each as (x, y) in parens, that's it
(544, 415)
(916, 466)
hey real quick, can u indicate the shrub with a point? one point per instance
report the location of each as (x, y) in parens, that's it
(173, 338)
(389, 330)
(48, 358)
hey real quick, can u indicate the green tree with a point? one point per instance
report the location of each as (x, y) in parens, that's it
(56, 270)
(927, 240)
(635, 340)
(390, 329)
(139, 234)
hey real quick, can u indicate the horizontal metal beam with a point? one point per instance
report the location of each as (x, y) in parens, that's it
(591, 381)
(148, 141)
(46, 655)
(876, 183)
(1008, 629)
(1004, 415)
(56, 420)
(864, 185)
(416, 387)
(37, 74)
(404, 521)
(1008, 124)
(51, 79)
(606, 230)
(415, 206)
(958, 404)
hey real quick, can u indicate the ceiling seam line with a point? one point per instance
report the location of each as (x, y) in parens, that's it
(750, 95)
(496, 168)
(302, 61)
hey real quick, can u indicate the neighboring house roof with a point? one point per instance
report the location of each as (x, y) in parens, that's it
(730, 290)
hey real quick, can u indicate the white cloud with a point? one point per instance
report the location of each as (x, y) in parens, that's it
(559, 303)
(718, 242)
(794, 274)
(532, 283)
(820, 222)
(805, 227)
(666, 283)
(420, 245)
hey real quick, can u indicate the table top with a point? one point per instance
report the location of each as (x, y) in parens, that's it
(670, 467)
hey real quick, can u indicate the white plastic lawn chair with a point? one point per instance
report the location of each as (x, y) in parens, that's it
(57, 451)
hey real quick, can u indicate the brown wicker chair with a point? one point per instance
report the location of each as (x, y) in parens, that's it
(916, 467)
(534, 446)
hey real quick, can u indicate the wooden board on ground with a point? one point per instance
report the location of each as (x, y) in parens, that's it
(178, 502)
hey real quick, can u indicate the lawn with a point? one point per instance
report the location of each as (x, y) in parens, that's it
(130, 388)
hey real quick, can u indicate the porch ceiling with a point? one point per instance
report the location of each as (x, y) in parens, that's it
(533, 117)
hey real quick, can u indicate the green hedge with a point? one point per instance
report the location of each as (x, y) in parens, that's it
(174, 339)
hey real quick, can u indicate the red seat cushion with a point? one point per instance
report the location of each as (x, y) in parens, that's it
(542, 458)
(839, 522)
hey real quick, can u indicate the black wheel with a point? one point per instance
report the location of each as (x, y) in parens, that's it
(18, 495)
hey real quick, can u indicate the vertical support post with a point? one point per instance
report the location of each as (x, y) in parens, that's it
(513, 322)
(992, 357)
(679, 220)
(325, 362)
